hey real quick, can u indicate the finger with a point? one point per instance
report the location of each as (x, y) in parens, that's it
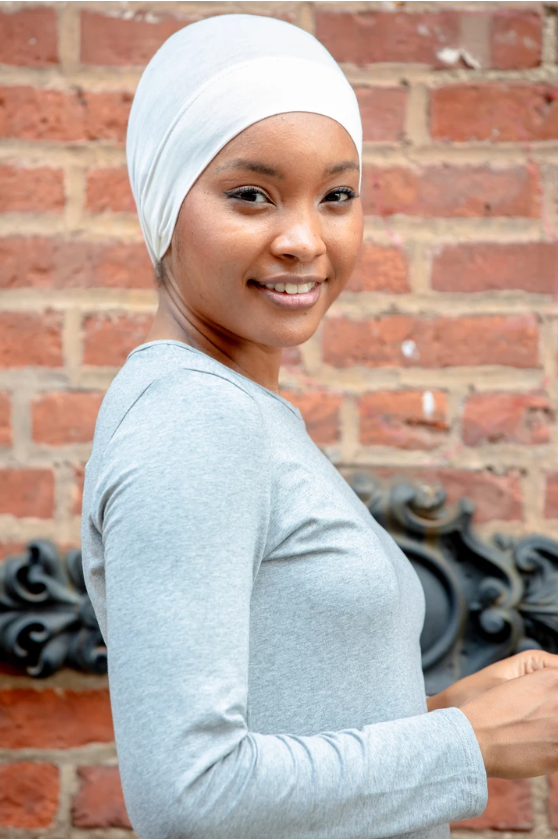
(533, 660)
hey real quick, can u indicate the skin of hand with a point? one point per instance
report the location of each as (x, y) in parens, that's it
(512, 706)
(282, 197)
(501, 671)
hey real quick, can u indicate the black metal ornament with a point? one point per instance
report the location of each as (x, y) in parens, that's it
(484, 600)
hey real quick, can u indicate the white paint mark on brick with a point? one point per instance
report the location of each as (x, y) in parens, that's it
(428, 403)
(410, 349)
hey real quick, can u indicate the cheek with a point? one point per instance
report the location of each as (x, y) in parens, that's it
(344, 244)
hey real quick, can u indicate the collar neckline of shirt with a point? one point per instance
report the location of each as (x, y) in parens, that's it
(184, 346)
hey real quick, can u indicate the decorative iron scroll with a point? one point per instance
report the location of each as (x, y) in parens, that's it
(484, 601)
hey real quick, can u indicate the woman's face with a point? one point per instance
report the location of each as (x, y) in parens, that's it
(278, 204)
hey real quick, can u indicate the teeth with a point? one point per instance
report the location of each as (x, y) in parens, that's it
(291, 288)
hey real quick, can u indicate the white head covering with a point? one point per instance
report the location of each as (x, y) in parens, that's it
(206, 84)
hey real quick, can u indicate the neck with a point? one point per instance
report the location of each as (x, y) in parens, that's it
(255, 361)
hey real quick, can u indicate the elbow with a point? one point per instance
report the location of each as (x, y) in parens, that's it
(163, 811)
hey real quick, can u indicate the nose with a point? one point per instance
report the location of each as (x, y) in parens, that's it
(300, 239)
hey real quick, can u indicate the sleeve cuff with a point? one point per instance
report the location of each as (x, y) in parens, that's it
(476, 772)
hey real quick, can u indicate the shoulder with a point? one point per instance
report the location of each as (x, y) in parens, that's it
(189, 406)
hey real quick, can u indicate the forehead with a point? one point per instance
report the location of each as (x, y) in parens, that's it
(290, 137)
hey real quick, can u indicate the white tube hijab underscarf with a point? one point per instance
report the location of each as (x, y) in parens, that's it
(206, 84)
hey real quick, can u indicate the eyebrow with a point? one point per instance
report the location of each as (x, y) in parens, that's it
(262, 169)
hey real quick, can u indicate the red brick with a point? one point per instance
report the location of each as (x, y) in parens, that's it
(450, 191)
(77, 489)
(5, 419)
(109, 189)
(100, 801)
(405, 341)
(28, 37)
(380, 269)
(525, 418)
(28, 794)
(497, 497)
(553, 800)
(382, 110)
(320, 411)
(74, 718)
(498, 112)
(27, 492)
(516, 40)
(30, 339)
(116, 41)
(551, 497)
(29, 113)
(9, 549)
(109, 338)
(65, 417)
(526, 266)
(290, 357)
(39, 190)
(398, 36)
(40, 262)
(509, 807)
(407, 419)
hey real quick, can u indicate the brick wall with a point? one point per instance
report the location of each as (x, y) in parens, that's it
(439, 360)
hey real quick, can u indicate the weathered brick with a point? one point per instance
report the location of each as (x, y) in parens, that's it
(475, 267)
(100, 801)
(30, 339)
(29, 113)
(450, 191)
(405, 341)
(28, 37)
(553, 800)
(74, 718)
(9, 549)
(107, 339)
(516, 40)
(28, 794)
(112, 40)
(5, 419)
(380, 269)
(497, 497)
(497, 112)
(382, 110)
(407, 419)
(372, 37)
(525, 418)
(109, 189)
(290, 357)
(509, 807)
(320, 411)
(52, 262)
(27, 492)
(64, 417)
(77, 489)
(551, 509)
(25, 190)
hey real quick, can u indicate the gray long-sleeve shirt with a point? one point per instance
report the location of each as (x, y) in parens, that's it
(262, 629)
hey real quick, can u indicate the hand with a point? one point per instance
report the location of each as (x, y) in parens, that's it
(495, 674)
(516, 725)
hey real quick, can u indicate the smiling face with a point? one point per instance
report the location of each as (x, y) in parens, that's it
(278, 205)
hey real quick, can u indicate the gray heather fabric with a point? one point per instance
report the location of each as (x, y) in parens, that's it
(262, 629)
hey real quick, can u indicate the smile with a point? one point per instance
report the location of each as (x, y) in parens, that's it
(289, 295)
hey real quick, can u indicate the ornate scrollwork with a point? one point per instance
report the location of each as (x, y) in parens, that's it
(46, 618)
(484, 601)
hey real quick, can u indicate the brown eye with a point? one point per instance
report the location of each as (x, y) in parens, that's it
(340, 195)
(248, 193)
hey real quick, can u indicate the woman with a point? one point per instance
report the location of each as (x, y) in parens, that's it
(262, 629)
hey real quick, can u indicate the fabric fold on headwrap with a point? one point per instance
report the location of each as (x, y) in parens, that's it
(206, 84)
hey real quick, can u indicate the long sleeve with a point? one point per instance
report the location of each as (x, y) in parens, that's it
(183, 500)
